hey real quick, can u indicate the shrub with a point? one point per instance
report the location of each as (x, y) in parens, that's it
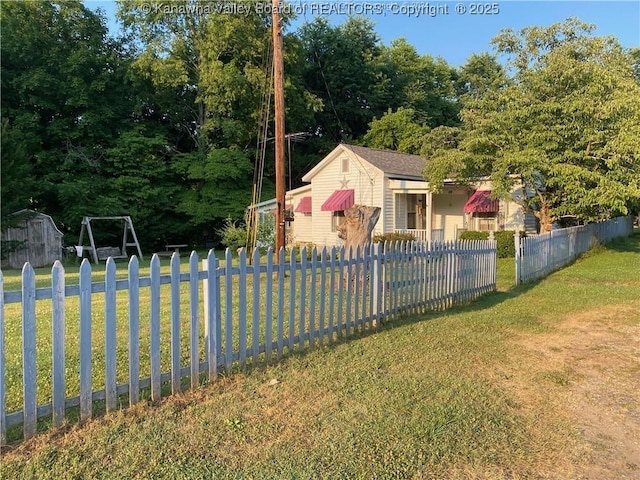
(233, 236)
(504, 240)
(393, 237)
(474, 235)
(266, 234)
(505, 244)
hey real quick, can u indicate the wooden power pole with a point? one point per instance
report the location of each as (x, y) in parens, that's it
(278, 85)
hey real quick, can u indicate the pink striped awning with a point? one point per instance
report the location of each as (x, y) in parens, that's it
(338, 200)
(304, 206)
(481, 202)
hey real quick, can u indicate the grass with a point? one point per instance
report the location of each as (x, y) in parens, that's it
(444, 395)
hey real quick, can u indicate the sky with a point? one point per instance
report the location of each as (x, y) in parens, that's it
(454, 30)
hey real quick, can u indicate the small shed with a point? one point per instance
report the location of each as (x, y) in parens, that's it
(40, 239)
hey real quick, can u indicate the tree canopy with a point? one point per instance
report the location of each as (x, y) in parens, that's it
(167, 121)
(565, 125)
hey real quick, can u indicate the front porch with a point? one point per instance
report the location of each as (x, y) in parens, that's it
(430, 216)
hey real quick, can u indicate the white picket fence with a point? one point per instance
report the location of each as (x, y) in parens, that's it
(121, 339)
(539, 255)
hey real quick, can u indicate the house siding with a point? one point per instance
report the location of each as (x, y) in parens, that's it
(362, 177)
(448, 212)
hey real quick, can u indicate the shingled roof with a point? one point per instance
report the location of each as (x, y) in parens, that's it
(394, 164)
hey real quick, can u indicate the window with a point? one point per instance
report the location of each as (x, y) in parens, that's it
(337, 219)
(345, 164)
(486, 222)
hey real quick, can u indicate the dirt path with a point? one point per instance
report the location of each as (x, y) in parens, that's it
(590, 365)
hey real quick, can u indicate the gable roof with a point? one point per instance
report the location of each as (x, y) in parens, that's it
(393, 164)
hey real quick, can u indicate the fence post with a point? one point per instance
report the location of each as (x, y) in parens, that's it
(516, 239)
(3, 422)
(376, 267)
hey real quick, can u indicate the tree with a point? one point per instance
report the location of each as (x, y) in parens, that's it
(480, 73)
(566, 127)
(397, 131)
(64, 97)
(342, 70)
(418, 82)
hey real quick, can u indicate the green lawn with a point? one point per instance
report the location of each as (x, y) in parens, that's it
(434, 396)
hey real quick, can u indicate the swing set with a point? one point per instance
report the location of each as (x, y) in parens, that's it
(129, 239)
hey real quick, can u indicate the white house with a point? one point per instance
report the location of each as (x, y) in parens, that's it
(392, 181)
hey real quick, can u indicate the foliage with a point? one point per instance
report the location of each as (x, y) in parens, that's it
(398, 131)
(266, 235)
(420, 83)
(341, 70)
(393, 237)
(474, 235)
(565, 126)
(505, 244)
(233, 235)
(480, 74)
(17, 181)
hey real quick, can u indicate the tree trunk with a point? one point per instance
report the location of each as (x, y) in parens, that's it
(357, 228)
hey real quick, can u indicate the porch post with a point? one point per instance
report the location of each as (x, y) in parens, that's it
(429, 214)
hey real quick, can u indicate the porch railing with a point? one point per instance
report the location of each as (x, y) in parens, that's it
(437, 234)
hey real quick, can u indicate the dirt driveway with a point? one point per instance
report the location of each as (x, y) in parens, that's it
(590, 365)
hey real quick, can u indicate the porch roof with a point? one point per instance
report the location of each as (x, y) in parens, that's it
(338, 200)
(304, 206)
(481, 202)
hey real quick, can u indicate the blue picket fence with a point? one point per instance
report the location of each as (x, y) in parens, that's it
(121, 339)
(539, 255)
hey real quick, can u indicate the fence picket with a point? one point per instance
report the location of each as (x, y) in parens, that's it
(340, 273)
(134, 330)
(303, 293)
(154, 327)
(292, 299)
(268, 311)
(332, 293)
(212, 318)
(194, 309)
(349, 279)
(175, 323)
(110, 334)
(58, 335)
(3, 388)
(242, 307)
(85, 340)
(312, 296)
(29, 351)
(323, 289)
(255, 323)
(228, 322)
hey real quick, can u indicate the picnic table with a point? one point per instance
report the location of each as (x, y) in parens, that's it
(170, 249)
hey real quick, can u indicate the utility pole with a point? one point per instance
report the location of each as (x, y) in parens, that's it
(278, 86)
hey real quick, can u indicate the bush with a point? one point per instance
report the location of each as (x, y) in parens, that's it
(504, 240)
(474, 235)
(393, 237)
(505, 244)
(233, 236)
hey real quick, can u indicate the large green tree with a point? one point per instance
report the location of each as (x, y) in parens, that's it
(399, 130)
(420, 83)
(342, 69)
(565, 126)
(63, 101)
